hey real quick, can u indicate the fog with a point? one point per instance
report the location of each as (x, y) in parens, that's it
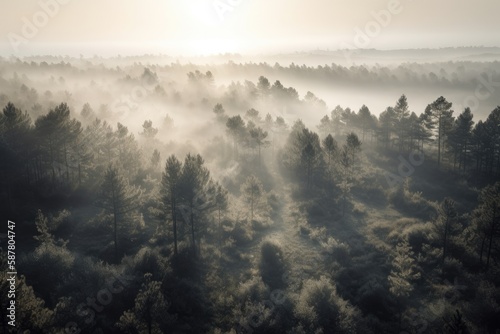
(313, 192)
(227, 167)
(117, 83)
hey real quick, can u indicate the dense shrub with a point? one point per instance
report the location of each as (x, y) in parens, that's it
(320, 308)
(412, 203)
(147, 260)
(253, 290)
(272, 265)
(45, 268)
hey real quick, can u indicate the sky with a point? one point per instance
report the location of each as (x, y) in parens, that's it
(201, 27)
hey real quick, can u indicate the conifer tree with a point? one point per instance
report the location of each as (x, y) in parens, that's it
(118, 199)
(170, 192)
(403, 273)
(252, 192)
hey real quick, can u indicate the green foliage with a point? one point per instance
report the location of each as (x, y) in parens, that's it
(485, 306)
(150, 312)
(319, 307)
(404, 271)
(147, 260)
(411, 203)
(155, 159)
(148, 131)
(253, 290)
(58, 135)
(445, 225)
(303, 154)
(221, 203)
(194, 182)
(258, 139)
(253, 194)
(56, 163)
(272, 264)
(487, 222)
(170, 193)
(42, 226)
(331, 149)
(118, 199)
(461, 138)
(456, 325)
(442, 119)
(236, 129)
(46, 267)
(31, 313)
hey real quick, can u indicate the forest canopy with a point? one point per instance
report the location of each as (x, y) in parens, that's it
(225, 198)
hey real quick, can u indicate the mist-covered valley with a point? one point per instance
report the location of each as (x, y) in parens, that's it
(252, 194)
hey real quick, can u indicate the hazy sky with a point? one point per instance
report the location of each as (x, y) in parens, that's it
(217, 26)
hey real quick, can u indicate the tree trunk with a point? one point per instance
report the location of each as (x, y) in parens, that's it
(439, 141)
(492, 231)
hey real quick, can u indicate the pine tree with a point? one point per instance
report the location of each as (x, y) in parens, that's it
(118, 199)
(194, 180)
(404, 270)
(303, 153)
(353, 147)
(220, 113)
(128, 152)
(253, 115)
(43, 228)
(441, 113)
(364, 120)
(15, 127)
(258, 137)
(148, 131)
(493, 131)
(325, 126)
(57, 134)
(428, 126)
(483, 146)
(170, 192)
(487, 220)
(335, 119)
(401, 117)
(387, 119)
(150, 312)
(18, 150)
(155, 159)
(403, 273)
(461, 137)
(252, 192)
(345, 161)
(445, 224)
(236, 130)
(414, 131)
(330, 147)
(221, 202)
